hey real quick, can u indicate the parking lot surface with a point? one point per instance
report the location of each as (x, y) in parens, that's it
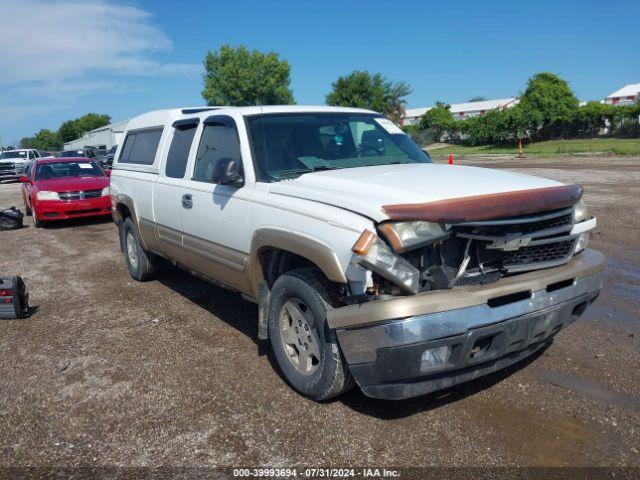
(112, 372)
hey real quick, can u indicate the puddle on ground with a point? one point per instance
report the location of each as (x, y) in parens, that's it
(626, 269)
(535, 438)
(599, 311)
(591, 390)
(627, 291)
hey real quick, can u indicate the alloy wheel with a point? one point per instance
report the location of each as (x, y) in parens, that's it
(299, 336)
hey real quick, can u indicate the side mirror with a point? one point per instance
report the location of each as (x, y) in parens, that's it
(24, 179)
(227, 172)
(107, 173)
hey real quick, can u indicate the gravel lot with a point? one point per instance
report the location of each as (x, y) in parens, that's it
(111, 372)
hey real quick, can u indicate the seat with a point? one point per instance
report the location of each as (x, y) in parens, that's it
(45, 172)
(372, 139)
(74, 170)
(306, 142)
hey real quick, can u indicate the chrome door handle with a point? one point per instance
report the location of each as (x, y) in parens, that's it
(187, 200)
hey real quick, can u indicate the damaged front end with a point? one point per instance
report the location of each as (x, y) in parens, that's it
(431, 252)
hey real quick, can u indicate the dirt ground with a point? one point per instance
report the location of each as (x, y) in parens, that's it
(112, 372)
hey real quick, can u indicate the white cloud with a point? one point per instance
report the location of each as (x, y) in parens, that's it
(68, 39)
(53, 53)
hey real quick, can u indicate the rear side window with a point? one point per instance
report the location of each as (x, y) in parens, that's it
(141, 147)
(179, 150)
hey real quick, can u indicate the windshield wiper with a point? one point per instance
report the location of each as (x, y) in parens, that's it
(302, 171)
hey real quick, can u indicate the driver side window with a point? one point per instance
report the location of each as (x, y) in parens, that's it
(219, 140)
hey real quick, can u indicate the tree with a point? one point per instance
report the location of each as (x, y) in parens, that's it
(439, 119)
(478, 99)
(43, 140)
(72, 129)
(549, 100)
(362, 89)
(591, 118)
(239, 77)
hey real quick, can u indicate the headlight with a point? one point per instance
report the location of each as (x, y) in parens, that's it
(580, 212)
(377, 257)
(44, 195)
(403, 236)
(105, 192)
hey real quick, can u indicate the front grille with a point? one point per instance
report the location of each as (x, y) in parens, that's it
(551, 252)
(7, 167)
(564, 219)
(521, 243)
(79, 195)
(483, 252)
(82, 212)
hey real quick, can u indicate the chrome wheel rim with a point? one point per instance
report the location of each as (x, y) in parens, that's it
(299, 336)
(132, 251)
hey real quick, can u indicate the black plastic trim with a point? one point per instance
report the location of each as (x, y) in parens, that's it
(186, 123)
(188, 111)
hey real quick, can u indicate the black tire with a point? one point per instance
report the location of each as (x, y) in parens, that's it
(330, 376)
(27, 210)
(36, 221)
(142, 265)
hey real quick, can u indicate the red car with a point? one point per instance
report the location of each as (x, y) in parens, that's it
(63, 188)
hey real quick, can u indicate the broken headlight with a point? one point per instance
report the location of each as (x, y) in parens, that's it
(377, 257)
(403, 236)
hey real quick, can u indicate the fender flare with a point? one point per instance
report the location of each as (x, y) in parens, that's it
(317, 252)
(127, 201)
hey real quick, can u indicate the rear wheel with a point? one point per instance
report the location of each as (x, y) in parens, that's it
(305, 348)
(142, 265)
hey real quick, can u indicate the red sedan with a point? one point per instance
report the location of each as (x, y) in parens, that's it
(63, 188)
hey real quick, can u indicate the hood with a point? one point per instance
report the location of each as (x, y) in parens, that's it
(73, 184)
(365, 190)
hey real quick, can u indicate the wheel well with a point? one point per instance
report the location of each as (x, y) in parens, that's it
(123, 211)
(275, 262)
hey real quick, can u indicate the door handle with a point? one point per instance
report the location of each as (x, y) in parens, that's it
(187, 200)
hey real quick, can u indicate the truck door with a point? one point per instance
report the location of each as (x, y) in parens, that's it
(215, 222)
(171, 190)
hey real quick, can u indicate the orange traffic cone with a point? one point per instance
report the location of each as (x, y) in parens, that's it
(451, 158)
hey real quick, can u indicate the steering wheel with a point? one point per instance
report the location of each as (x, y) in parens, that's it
(362, 150)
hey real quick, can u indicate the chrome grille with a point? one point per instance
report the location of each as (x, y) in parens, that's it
(79, 195)
(551, 252)
(522, 243)
(7, 167)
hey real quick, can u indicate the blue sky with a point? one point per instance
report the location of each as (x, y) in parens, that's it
(124, 58)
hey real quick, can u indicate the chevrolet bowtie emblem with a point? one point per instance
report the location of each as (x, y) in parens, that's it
(510, 242)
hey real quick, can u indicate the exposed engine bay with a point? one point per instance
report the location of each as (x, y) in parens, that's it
(482, 252)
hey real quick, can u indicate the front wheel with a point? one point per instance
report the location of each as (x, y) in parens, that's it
(36, 221)
(305, 348)
(27, 210)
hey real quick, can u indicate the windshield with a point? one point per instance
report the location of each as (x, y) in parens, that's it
(48, 171)
(288, 145)
(13, 155)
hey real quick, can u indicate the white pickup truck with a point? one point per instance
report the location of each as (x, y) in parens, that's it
(14, 163)
(369, 262)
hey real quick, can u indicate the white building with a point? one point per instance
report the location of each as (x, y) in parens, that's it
(627, 95)
(460, 111)
(103, 137)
